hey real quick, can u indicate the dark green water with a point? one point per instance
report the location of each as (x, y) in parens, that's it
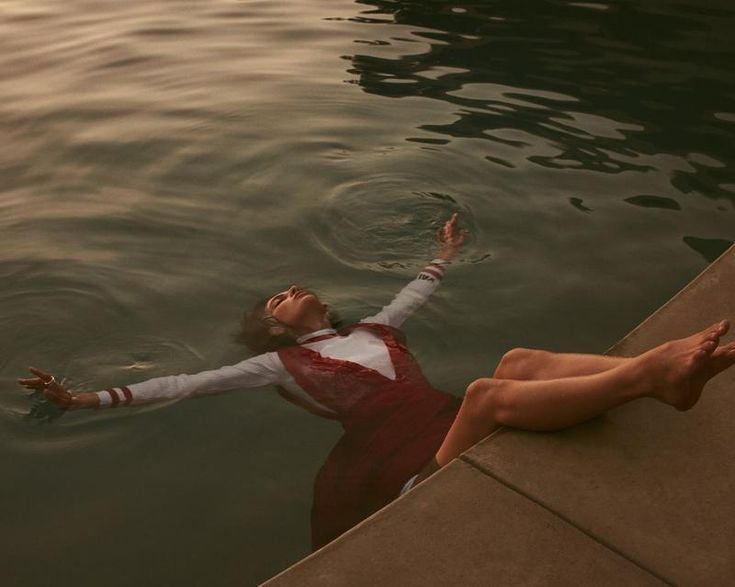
(164, 163)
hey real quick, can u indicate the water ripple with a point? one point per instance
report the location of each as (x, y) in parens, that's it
(358, 218)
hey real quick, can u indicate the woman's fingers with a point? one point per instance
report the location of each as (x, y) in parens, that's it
(47, 384)
(450, 234)
(30, 381)
(456, 235)
(47, 380)
(451, 225)
(446, 231)
(41, 373)
(34, 382)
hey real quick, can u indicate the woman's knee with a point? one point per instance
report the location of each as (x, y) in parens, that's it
(517, 363)
(483, 398)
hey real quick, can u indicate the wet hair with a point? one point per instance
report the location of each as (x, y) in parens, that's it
(255, 332)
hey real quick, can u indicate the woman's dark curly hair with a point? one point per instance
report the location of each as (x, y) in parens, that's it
(254, 331)
(255, 334)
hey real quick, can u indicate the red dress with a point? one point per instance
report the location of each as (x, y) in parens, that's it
(392, 429)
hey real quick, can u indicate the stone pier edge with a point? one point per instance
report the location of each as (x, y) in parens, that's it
(604, 543)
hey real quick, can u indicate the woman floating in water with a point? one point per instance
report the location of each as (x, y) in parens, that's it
(398, 429)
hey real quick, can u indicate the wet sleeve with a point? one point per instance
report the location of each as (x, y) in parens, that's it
(411, 297)
(257, 371)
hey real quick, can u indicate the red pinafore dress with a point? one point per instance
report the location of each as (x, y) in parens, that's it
(392, 428)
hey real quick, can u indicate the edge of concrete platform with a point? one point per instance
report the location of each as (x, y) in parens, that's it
(694, 282)
(334, 544)
(415, 543)
(702, 279)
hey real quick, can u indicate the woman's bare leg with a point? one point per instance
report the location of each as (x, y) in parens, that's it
(675, 373)
(533, 364)
(525, 364)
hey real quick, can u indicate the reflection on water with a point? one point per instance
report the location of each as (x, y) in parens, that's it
(566, 88)
(654, 202)
(560, 87)
(165, 164)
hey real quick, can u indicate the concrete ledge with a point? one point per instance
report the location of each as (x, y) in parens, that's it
(463, 528)
(642, 495)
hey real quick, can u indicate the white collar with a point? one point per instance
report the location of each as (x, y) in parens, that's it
(315, 334)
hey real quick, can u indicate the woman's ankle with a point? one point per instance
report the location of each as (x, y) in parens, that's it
(643, 376)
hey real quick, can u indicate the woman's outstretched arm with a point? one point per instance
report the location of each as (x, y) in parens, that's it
(258, 371)
(413, 295)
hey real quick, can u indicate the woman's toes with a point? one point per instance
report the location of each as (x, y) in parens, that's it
(725, 353)
(717, 330)
(710, 345)
(712, 332)
(699, 356)
(729, 352)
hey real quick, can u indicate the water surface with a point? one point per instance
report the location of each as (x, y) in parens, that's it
(165, 163)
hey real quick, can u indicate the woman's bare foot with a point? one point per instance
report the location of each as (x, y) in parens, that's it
(679, 369)
(722, 358)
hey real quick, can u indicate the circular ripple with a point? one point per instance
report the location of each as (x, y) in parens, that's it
(386, 222)
(129, 360)
(72, 321)
(142, 358)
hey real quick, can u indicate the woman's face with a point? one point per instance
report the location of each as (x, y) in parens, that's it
(295, 307)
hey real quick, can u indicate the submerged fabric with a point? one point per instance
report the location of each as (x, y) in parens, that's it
(409, 484)
(393, 427)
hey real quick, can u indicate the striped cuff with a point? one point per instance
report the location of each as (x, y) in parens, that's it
(434, 270)
(114, 397)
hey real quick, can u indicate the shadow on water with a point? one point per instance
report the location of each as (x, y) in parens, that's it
(621, 83)
(709, 248)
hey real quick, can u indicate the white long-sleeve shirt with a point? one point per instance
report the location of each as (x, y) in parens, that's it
(359, 346)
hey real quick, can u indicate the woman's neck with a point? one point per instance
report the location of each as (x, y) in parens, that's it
(310, 325)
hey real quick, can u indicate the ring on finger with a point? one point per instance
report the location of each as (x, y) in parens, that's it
(49, 382)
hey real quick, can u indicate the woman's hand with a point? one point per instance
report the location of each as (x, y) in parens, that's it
(51, 389)
(56, 393)
(450, 239)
